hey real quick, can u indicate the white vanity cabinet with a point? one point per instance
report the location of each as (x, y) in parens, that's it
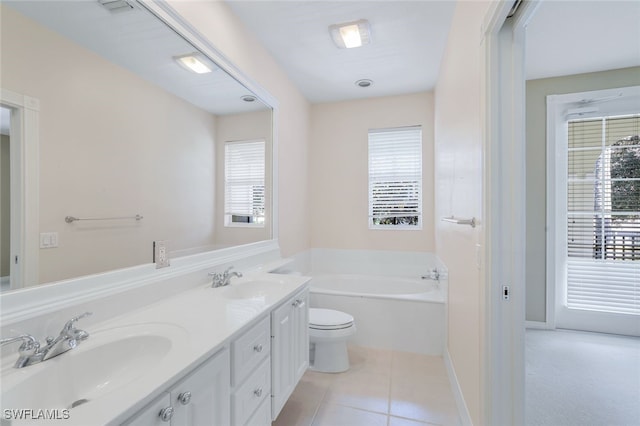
(251, 374)
(289, 348)
(246, 384)
(201, 398)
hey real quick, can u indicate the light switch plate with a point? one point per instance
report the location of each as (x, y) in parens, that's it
(48, 240)
(160, 254)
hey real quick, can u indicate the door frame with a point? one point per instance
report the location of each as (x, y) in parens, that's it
(504, 91)
(25, 176)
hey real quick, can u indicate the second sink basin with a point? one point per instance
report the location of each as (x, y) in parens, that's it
(252, 289)
(108, 360)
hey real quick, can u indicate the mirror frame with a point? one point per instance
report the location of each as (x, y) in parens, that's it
(27, 302)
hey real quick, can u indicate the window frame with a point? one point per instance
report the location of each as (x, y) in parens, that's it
(419, 181)
(228, 216)
(560, 109)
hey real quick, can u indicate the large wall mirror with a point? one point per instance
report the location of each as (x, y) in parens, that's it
(141, 136)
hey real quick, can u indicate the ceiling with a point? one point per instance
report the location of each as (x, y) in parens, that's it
(138, 41)
(573, 37)
(409, 38)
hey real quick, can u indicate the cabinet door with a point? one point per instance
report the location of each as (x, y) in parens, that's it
(203, 397)
(301, 335)
(282, 374)
(151, 414)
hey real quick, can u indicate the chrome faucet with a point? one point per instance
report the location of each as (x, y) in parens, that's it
(28, 348)
(32, 353)
(434, 274)
(224, 278)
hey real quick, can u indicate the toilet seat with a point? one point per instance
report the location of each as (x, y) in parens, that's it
(329, 319)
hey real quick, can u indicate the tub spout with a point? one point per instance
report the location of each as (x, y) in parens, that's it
(434, 275)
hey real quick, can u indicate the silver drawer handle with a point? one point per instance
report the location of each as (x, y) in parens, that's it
(184, 398)
(166, 414)
(258, 392)
(258, 348)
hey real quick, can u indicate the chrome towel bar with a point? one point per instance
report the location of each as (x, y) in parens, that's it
(472, 222)
(71, 219)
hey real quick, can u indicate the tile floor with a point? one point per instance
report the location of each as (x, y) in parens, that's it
(382, 388)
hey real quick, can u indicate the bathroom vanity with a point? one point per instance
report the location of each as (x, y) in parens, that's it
(163, 347)
(217, 356)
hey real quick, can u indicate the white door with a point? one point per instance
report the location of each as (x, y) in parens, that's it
(595, 207)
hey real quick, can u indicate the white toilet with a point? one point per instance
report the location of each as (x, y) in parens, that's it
(328, 334)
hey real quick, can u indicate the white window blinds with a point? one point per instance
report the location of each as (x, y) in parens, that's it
(395, 178)
(603, 214)
(244, 174)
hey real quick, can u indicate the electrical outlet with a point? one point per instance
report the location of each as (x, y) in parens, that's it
(160, 254)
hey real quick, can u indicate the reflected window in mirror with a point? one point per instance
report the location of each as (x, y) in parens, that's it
(166, 131)
(244, 183)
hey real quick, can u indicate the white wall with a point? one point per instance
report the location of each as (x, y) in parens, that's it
(338, 169)
(536, 146)
(458, 191)
(215, 21)
(131, 149)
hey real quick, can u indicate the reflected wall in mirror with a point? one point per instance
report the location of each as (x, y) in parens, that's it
(125, 130)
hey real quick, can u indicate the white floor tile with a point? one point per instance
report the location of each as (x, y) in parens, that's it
(382, 387)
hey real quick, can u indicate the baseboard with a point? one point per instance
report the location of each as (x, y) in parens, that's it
(463, 411)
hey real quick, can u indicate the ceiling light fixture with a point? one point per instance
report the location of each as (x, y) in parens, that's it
(194, 62)
(364, 82)
(248, 98)
(351, 34)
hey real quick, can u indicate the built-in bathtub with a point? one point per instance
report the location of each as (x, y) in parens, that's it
(405, 314)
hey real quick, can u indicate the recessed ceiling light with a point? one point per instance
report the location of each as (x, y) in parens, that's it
(194, 62)
(351, 34)
(248, 98)
(364, 83)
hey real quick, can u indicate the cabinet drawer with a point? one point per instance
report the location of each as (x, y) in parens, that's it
(249, 350)
(262, 416)
(248, 397)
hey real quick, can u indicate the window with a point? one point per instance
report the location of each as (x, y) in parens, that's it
(395, 178)
(603, 214)
(244, 192)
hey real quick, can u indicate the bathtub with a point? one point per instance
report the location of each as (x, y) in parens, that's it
(395, 313)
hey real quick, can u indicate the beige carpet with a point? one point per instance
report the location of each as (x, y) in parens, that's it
(582, 379)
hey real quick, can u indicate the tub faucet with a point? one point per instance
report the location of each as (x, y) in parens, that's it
(32, 353)
(434, 274)
(224, 278)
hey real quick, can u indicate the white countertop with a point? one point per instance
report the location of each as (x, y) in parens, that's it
(200, 322)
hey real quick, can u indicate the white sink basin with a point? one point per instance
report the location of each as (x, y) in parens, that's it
(254, 289)
(102, 364)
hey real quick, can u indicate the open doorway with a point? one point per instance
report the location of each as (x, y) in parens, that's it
(580, 58)
(22, 121)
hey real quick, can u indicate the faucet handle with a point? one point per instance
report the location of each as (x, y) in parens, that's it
(29, 343)
(69, 325)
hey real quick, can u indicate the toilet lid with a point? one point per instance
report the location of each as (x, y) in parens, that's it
(328, 319)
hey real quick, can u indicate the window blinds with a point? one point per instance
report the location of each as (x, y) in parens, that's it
(603, 214)
(244, 174)
(395, 177)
